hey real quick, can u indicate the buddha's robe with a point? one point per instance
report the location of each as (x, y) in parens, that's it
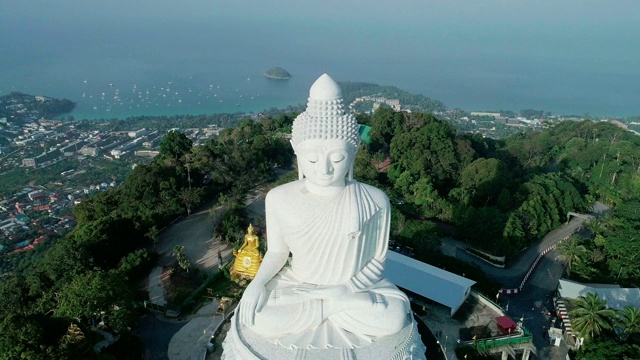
(344, 243)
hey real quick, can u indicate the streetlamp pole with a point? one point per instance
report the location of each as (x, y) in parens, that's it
(446, 340)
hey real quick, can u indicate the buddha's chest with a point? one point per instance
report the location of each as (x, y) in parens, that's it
(303, 209)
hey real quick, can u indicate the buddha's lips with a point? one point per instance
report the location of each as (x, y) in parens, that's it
(324, 177)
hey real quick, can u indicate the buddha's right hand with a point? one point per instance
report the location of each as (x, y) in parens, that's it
(252, 301)
(323, 291)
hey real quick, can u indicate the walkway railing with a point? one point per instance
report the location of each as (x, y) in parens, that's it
(535, 263)
(501, 310)
(488, 344)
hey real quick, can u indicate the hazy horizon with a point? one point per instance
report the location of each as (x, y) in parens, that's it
(570, 57)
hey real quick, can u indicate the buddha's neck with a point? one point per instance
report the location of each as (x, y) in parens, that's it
(325, 190)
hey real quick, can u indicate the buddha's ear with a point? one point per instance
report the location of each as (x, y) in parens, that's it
(295, 151)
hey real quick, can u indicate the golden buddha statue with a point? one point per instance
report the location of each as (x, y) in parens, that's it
(248, 257)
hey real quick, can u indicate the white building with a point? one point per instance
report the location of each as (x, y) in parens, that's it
(617, 297)
(433, 283)
(137, 133)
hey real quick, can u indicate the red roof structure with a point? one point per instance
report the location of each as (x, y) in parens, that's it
(506, 325)
(30, 246)
(382, 166)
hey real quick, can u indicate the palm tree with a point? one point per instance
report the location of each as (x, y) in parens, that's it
(590, 317)
(572, 251)
(596, 226)
(629, 320)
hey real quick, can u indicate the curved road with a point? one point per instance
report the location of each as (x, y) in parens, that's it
(167, 339)
(534, 301)
(516, 269)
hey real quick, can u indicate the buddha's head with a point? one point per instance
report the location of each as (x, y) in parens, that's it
(325, 138)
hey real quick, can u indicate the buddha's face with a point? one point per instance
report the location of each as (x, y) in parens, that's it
(325, 162)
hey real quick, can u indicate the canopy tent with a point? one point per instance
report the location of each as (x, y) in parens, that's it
(505, 325)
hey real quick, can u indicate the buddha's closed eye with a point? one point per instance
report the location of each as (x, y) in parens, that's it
(312, 157)
(337, 157)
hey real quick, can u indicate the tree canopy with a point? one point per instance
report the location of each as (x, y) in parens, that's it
(504, 194)
(87, 276)
(500, 195)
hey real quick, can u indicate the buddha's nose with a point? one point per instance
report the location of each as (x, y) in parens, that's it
(325, 167)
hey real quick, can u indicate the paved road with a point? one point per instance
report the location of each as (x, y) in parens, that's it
(512, 275)
(189, 343)
(536, 298)
(156, 335)
(533, 302)
(195, 233)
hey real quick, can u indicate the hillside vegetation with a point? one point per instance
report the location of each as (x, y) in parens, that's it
(501, 195)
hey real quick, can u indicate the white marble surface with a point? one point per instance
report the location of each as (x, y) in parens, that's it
(405, 344)
(332, 300)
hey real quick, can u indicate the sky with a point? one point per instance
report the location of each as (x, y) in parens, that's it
(577, 44)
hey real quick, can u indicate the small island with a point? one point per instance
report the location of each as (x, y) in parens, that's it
(277, 73)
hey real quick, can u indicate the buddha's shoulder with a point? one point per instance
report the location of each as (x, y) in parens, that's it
(290, 190)
(379, 196)
(284, 191)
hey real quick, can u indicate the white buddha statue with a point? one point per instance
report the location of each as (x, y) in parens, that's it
(331, 301)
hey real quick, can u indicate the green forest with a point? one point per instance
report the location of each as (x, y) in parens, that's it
(499, 195)
(277, 73)
(49, 107)
(420, 103)
(92, 273)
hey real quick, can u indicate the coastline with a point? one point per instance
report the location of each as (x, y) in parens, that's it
(276, 77)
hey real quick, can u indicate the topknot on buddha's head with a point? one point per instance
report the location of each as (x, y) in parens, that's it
(325, 117)
(325, 88)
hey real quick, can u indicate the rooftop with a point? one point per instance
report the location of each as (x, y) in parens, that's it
(426, 280)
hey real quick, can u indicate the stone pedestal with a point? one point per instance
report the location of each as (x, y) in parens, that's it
(243, 344)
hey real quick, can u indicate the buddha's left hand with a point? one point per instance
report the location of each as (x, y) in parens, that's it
(322, 291)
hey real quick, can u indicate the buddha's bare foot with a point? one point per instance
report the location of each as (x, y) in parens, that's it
(379, 301)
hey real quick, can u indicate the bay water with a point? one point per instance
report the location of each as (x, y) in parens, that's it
(121, 59)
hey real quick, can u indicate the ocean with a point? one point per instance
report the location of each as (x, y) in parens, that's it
(157, 58)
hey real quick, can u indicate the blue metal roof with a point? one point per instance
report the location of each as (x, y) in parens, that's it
(426, 280)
